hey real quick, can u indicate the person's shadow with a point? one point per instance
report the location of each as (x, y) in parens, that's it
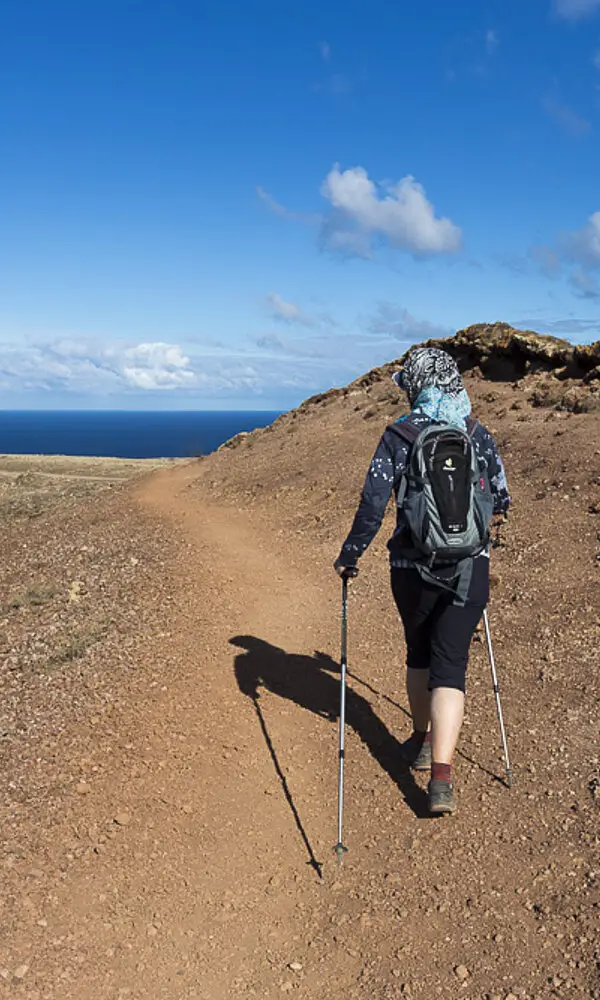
(313, 682)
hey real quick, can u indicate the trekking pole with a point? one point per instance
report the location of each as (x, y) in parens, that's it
(497, 695)
(349, 573)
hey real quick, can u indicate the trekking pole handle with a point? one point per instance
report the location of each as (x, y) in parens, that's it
(350, 573)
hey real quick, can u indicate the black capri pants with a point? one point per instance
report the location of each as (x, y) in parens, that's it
(439, 633)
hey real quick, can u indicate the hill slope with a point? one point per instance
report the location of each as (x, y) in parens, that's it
(170, 805)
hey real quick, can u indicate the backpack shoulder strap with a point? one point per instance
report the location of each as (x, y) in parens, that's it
(472, 426)
(405, 430)
(409, 433)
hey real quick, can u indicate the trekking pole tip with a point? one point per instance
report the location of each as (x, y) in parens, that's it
(340, 850)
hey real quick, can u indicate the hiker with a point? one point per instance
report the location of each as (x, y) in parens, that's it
(440, 592)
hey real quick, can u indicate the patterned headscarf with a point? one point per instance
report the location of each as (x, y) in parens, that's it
(434, 386)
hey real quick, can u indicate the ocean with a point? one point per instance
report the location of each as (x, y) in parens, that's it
(124, 433)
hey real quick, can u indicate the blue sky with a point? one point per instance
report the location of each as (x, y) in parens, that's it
(236, 205)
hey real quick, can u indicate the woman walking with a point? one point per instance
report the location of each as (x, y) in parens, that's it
(440, 602)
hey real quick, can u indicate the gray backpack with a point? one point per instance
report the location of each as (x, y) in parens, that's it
(446, 501)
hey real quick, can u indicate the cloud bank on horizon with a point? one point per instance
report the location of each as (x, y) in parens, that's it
(288, 361)
(250, 222)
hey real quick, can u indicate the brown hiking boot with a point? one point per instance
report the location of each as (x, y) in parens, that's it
(441, 798)
(416, 753)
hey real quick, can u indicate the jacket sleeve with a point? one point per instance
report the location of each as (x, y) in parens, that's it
(496, 474)
(381, 477)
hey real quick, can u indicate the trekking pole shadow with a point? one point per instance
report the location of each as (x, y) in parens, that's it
(312, 683)
(312, 861)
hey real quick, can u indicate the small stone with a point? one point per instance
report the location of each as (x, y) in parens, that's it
(152, 931)
(286, 987)
(74, 592)
(296, 966)
(82, 788)
(123, 819)
(21, 971)
(461, 972)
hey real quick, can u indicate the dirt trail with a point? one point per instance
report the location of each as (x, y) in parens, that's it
(255, 878)
(211, 874)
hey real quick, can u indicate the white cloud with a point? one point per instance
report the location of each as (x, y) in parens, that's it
(49, 366)
(157, 366)
(74, 366)
(573, 10)
(325, 50)
(289, 312)
(401, 215)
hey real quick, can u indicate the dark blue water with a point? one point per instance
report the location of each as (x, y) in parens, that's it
(122, 433)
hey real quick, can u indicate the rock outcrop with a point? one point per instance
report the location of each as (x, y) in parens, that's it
(555, 373)
(504, 353)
